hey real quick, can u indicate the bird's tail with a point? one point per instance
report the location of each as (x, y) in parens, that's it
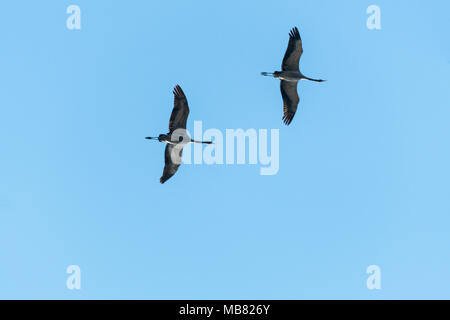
(267, 74)
(205, 142)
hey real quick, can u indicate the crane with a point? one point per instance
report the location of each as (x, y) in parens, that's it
(177, 136)
(290, 76)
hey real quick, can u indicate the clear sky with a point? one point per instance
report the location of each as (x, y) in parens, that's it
(364, 167)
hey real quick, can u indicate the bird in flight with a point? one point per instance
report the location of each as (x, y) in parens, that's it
(177, 136)
(290, 75)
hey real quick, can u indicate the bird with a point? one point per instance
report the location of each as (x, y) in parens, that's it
(177, 136)
(290, 75)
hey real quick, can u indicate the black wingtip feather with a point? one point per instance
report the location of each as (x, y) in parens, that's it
(294, 34)
(287, 118)
(178, 92)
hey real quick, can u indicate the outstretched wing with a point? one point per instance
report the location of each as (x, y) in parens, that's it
(290, 100)
(180, 110)
(172, 159)
(293, 53)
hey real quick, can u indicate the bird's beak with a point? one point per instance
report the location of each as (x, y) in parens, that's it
(151, 138)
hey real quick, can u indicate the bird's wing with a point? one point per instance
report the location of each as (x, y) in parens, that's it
(180, 110)
(172, 159)
(293, 53)
(290, 100)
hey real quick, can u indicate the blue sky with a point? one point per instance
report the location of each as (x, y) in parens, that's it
(363, 178)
